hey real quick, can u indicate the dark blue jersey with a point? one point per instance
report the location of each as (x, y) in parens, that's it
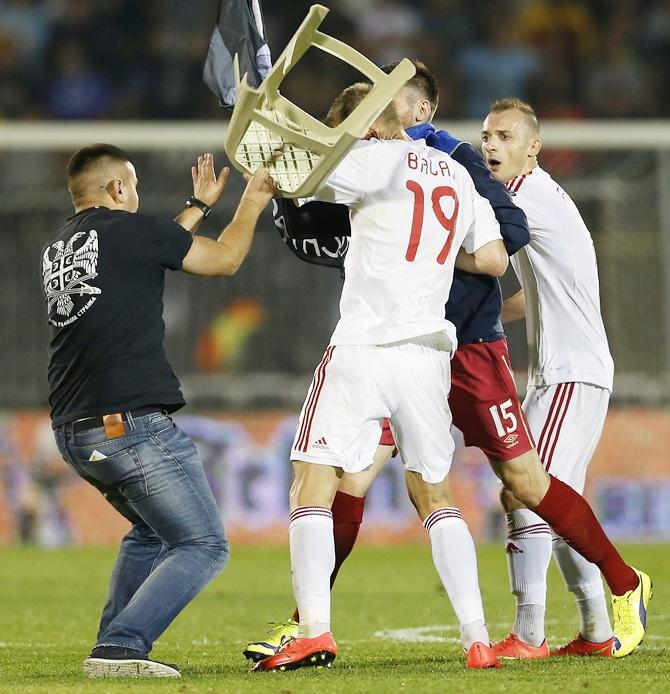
(475, 301)
(315, 231)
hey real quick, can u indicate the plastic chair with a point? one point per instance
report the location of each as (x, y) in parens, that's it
(299, 151)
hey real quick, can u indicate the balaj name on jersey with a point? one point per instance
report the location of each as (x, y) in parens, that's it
(440, 167)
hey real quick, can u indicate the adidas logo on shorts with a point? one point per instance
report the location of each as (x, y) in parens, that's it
(321, 444)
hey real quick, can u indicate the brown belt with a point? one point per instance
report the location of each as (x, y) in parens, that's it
(113, 424)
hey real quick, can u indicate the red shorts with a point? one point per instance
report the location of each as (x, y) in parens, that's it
(484, 403)
(387, 434)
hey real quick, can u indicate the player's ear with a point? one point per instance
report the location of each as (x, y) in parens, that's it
(535, 147)
(423, 112)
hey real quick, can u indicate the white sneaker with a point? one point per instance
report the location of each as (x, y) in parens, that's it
(112, 661)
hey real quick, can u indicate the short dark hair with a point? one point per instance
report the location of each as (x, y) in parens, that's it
(347, 101)
(424, 81)
(85, 157)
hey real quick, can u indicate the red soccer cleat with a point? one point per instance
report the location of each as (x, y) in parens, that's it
(580, 646)
(316, 652)
(513, 647)
(480, 656)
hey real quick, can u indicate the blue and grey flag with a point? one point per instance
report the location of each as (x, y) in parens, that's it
(239, 29)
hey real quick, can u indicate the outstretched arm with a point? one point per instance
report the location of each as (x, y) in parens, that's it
(225, 255)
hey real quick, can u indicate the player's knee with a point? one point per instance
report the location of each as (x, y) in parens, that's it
(508, 501)
(525, 479)
(524, 492)
(431, 498)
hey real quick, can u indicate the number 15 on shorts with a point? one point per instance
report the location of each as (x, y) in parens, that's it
(505, 421)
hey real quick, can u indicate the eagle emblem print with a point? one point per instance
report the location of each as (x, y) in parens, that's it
(67, 268)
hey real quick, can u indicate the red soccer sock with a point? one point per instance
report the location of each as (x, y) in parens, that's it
(571, 517)
(347, 518)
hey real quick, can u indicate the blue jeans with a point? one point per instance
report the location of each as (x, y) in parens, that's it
(177, 545)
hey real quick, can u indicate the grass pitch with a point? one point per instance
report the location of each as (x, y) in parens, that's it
(395, 629)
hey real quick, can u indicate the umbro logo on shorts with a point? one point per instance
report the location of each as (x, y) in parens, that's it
(321, 443)
(513, 549)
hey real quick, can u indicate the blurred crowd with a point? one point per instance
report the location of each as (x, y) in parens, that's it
(123, 59)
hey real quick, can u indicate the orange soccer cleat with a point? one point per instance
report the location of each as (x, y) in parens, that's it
(580, 646)
(513, 647)
(480, 656)
(317, 652)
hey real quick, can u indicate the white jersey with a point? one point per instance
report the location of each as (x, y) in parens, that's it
(411, 208)
(559, 276)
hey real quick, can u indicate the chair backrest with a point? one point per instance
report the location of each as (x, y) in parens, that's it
(299, 151)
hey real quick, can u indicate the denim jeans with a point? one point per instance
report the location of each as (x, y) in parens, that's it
(152, 476)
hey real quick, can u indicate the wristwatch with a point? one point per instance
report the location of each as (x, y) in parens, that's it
(202, 206)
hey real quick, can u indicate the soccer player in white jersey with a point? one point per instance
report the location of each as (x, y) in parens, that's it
(412, 209)
(570, 377)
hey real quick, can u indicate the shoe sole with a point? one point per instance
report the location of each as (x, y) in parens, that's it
(604, 651)
(317, 660)
(483, 665)
(105, 667)
(501, 656)
(256, 656)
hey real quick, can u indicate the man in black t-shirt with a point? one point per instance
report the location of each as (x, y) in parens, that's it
(111, 388)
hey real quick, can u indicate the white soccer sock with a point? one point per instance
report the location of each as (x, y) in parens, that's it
(456, 563)
(528, 549)
(312, 561)
(583, 580)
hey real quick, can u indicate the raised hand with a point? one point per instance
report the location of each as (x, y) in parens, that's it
(207, 186)
(261, 187)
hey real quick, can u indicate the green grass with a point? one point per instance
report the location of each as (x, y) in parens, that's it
(50, 601)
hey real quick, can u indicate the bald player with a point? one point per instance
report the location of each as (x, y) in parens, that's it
(570, 378)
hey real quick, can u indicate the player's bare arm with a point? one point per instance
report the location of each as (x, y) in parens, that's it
(514, 308)
(207, 190)
(490, 259)
(224, 256)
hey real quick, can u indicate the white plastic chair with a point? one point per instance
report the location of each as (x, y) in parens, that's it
(299, 151)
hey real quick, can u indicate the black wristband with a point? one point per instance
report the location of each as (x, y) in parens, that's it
(202, 206)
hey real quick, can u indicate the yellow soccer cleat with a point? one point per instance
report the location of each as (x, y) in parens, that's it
(277, 637)
(630, 616)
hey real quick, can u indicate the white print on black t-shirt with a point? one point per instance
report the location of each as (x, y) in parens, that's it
(66, 271)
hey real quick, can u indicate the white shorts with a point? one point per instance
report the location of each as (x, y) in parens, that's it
(566, 421)
(356, 387)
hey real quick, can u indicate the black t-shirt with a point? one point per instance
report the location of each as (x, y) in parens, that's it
(103, 276)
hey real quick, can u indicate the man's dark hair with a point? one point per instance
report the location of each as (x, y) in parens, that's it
(423, 82)
(85, 157)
